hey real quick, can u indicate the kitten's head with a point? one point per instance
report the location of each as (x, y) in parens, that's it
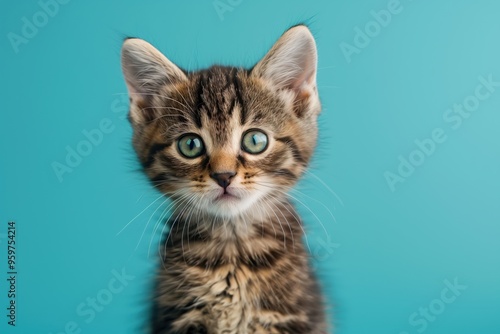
(222, 139)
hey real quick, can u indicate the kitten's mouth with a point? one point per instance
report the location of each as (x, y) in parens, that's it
(225, 195)
(229, 203)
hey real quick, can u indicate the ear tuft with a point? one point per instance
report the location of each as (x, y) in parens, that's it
(292, 62)
(146, 69)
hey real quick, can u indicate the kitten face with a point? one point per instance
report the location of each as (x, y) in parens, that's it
(225, 140)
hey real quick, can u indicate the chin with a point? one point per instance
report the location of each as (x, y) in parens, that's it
(232, 204)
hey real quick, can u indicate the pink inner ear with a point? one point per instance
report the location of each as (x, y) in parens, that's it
(292, 70)
(305, 79)
(134, 94)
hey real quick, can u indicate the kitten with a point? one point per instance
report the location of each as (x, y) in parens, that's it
(225, 144)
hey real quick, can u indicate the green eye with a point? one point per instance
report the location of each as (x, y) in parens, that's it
(191, 146)
(254, 141)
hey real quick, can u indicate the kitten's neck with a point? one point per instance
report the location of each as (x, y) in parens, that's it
(254, 241)
(273, 217)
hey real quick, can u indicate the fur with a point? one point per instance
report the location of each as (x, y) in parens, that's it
(233, 260)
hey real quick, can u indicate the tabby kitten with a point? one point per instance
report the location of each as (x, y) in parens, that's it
(225, 144)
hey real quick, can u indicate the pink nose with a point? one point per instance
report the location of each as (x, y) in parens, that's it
(223, 179)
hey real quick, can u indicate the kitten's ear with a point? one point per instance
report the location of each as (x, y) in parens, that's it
(146, 69)
(291, 63)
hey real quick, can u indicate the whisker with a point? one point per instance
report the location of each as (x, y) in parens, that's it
(140, 213)
(299, 201)
(301, 228)
(147, 224)
(279, 221)
(288, 223)
(186, 206)
(172, 226)
(326, 186)
(317, 201)
(161, 219)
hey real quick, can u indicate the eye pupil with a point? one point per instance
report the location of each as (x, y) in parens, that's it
(191, 144)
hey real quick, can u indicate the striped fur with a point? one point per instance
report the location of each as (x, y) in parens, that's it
(231, 263)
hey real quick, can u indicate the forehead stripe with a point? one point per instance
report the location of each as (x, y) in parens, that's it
(239, 98)
(196, 112)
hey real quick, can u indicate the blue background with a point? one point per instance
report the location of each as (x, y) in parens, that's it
(382, 255)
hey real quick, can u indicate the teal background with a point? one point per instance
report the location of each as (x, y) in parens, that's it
(381, 254)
